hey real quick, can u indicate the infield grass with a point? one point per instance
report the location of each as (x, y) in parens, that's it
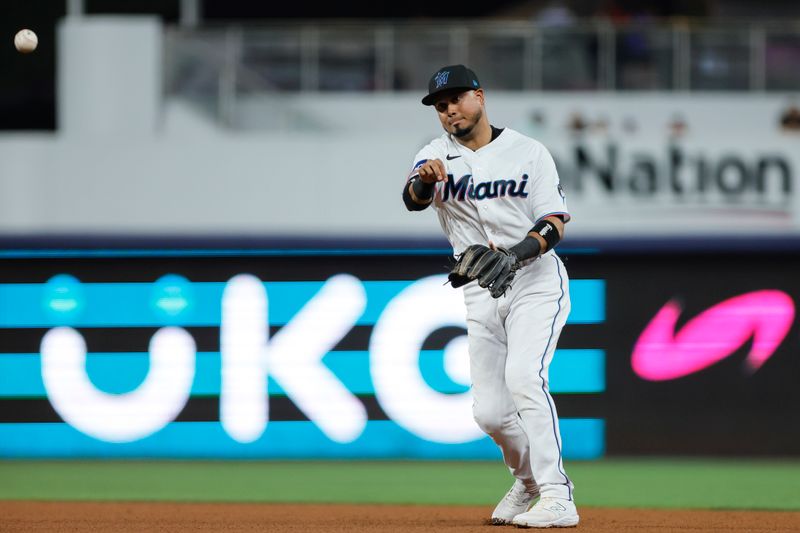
(676, 483)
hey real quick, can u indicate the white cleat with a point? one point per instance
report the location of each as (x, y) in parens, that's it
(517, 500)
(549, 512)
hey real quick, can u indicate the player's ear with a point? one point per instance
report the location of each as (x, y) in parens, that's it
(479, 95)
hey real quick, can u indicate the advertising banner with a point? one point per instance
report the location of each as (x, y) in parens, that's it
(702, 351)
(361, 353)
(666, 164)
(280, 354)
(630, 164)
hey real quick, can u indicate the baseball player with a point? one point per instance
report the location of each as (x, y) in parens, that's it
(499, 201)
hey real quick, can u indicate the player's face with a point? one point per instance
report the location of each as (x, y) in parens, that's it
(460, 111)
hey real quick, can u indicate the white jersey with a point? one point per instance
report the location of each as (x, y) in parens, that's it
(495, 193)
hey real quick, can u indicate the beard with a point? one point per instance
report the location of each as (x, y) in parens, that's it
(465, 132)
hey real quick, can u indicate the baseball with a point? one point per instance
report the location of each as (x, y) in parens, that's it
(25, 41)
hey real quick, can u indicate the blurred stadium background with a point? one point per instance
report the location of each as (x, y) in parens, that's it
(177, 174)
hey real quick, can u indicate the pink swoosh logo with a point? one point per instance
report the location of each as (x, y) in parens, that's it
(661, 353)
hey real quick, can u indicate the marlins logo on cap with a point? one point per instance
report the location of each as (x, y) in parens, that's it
(441, 78)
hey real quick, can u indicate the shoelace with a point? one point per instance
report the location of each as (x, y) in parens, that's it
(550, 504)
(517, 495)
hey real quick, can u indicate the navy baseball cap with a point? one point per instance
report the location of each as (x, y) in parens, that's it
(448, 78)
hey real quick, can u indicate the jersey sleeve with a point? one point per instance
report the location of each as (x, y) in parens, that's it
(547, 197)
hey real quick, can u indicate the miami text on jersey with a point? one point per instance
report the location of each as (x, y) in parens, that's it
(464, 188)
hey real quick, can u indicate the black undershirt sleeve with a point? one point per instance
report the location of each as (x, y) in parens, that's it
(530, 246)
(526, 248)
(422, 190)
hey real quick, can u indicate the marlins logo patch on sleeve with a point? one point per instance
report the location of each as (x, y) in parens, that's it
(416, 167)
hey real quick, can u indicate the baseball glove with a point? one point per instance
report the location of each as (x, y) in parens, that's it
(493, 268)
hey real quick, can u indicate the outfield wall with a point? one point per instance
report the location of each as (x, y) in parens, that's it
(359, 352)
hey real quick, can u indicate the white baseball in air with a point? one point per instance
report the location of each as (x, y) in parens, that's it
(26, 41)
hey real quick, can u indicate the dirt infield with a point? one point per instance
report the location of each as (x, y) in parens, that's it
(178, 517)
